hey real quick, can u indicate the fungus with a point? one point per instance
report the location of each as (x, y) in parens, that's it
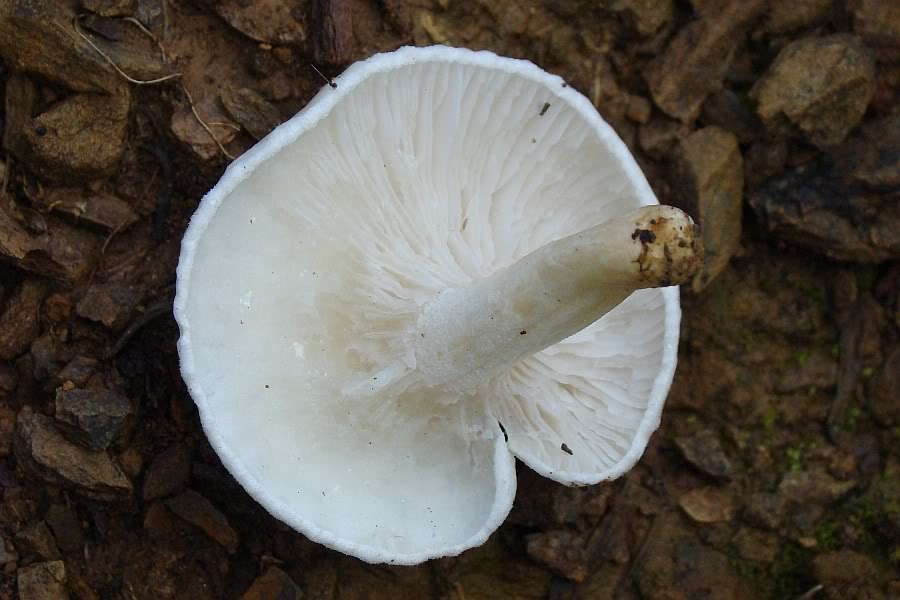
(396, 292)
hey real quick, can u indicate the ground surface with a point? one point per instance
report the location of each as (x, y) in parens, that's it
(776, 471)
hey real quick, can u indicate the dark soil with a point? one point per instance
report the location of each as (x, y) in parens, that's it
(776, 471)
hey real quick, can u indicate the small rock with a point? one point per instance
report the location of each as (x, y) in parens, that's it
(658, 137)
(843, 463)
(269, 21)
(169, 473)
(638, 109)
(82, 134)
(160, 523)
(398, 13)
(818, 369)
(784, 17)
(256, 114)
(93, 418)
(58, 307)
(7, 554)
(704, 451)
(9, 380)
(63, 252)
(197, 510)
(877, 21)
(871, 158)
(615, 533)
(708, 505)
(7, 430)
(815, 486)
(884, 399)
(48, 453)
(710, 175)
(43, 581)
(843, 568)
(78, 138)
(19, 323)
(726, 110)
(818, 87)
(187, 129)
(37, 542)
(647, 16)
(76, 372)
(674, 565)
(758, 546)
(100, 211)
(545, 506)
(66, 528)
(165, 573)
(842, 205)
(49, 353)
(695, 62)
(19, 506)
(564, 552)
(110, 304)
(132, 462)
(274, 584)
(110, 8)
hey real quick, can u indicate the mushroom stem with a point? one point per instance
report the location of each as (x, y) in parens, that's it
(467, 334)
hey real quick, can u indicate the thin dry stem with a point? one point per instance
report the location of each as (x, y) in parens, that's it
(223, 124)
(113, 63)
(203, 123)
(150, 34)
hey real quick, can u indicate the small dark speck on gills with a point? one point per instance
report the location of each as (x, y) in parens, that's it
(544, 109)
(523, 332)
(565, 448)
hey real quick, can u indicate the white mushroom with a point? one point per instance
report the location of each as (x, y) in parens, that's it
(398, 290)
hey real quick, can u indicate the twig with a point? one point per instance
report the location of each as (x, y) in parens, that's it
(203, 123)
(223, 124)
(322, 75)
(150, 34)
(111, 235)
(113, 63)
(812, 592)
(150, 313)
(151, 81)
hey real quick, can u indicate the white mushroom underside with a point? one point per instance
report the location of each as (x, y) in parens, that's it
(313, 271)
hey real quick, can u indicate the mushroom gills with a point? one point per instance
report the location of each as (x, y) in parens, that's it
(467, 335)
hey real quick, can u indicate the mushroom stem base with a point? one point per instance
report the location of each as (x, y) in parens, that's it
(467, 334)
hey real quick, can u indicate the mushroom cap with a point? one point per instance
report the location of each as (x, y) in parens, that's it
(307, 264)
